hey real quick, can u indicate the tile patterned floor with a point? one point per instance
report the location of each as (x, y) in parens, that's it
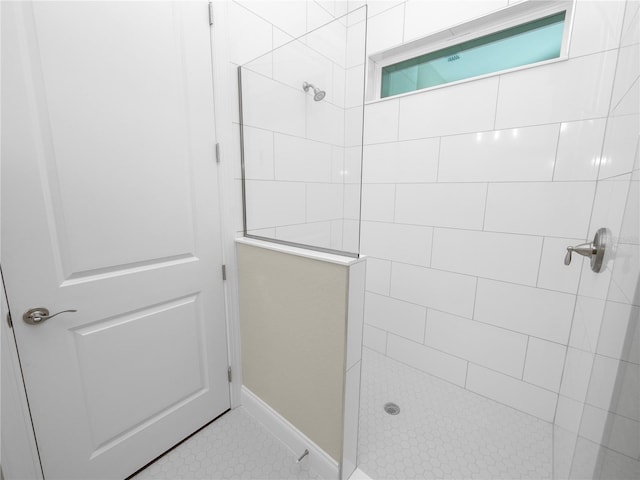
(236, 446)
(443, 431)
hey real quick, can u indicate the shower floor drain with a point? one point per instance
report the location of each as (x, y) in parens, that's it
(391, 408)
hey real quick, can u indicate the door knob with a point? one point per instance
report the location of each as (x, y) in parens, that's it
(594, 251)
(36, 316)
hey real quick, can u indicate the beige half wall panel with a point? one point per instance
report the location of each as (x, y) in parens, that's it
(294, 314)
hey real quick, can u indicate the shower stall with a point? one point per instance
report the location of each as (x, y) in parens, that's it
(485, 354)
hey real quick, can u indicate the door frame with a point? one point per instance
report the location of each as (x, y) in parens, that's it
(28, 442)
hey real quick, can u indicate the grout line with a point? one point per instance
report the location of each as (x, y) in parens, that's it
(426, 321)
(433, 236)
(466, 375)
(438, 161)
(540, 263)
(486, 202)
(468, 362)
(524, 363)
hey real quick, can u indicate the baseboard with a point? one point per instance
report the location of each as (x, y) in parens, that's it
(318, 459)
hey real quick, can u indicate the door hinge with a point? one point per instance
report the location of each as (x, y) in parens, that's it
(217, 153)
(224, 272)
(229, 376)
(9, 321)
(210, 13)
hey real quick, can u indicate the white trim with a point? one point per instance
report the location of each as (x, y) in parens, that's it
(504, 18)
(319, 460)
(301, 252)
(223, 117)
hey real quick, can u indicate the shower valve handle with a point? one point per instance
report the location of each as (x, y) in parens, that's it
(594, 251)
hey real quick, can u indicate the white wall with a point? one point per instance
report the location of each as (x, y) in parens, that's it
(471, 194)
(473, 191)
(598, 419)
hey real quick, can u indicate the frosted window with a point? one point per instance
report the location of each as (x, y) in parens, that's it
(524, 44)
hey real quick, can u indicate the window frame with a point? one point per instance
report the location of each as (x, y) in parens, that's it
(502, 19)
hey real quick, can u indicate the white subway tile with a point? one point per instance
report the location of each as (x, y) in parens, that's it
(272, 204)
(378, 202)
(575, 378)
(517, 154)
(352, 164)
(385, 30)
(354, 86)
(258, 154)
(381, 122)
(520, 395)
(330, 41)
(337, 234)
(301, 160)
(427, 359)
(626, 275)
(608, 206)
(317, 234)
(542, 208)
(541, 313)
(351, 236)
(615, 386)
(319, 13)
(378, 6)
(325, 122)
(550, 93)
(421, 17)
(569, 413)
(545, 361)
(355, 54)
(630, 24)
(620, 142)
(627, 72)
(401, 162)
(295, 63)
(395, 316)
(352, 201)
(464, 108)
(262, 96)
(586, 323)
(337, 164)
(483, 344)
(436, 289)
(402, 243)
(579, 150)
(512, 258)
(324, 201)
(247, 26)
(375, 339)
(378, 275)
(353, 127)
(554, 274)
(289, 16)
(455, 205)
(596, 27)
(620, 334)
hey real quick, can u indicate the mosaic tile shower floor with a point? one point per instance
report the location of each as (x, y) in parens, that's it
(443, 431)
(236, 446)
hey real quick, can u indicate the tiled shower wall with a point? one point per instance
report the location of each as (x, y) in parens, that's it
(472, 193)
(302, 158)
(597, 425)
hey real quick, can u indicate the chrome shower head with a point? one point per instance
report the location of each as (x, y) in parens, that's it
(317, 93)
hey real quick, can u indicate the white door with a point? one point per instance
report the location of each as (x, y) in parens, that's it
(110, 208)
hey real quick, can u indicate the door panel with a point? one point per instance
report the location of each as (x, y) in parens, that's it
(110, 207)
